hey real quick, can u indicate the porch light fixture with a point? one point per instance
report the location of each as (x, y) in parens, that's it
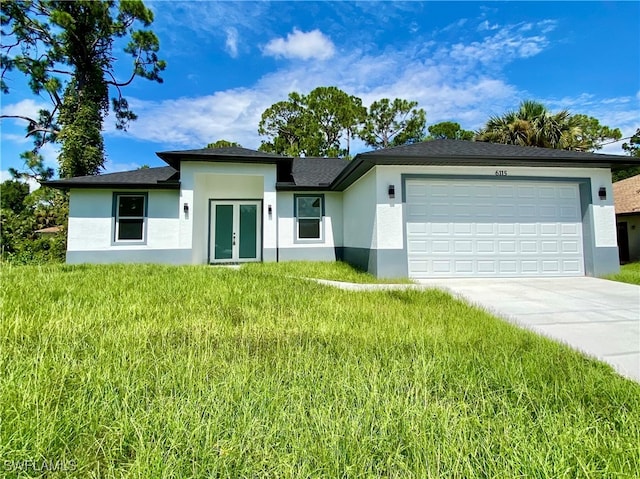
(269, 210)
(185, 208)
(602, 193)
(392, 191)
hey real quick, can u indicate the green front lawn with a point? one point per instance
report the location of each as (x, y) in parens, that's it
(334, 271)
(629, 273)
(153, 371)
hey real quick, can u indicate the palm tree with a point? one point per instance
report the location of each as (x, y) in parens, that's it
(533, 125)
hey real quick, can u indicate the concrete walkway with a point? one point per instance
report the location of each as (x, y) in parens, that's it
(598, 317)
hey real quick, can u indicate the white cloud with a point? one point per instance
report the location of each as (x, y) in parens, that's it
(28, 108)
(303, 45)
(231, 42)
(487, 26)
(5, 175)
(506, 44)
(461, 82)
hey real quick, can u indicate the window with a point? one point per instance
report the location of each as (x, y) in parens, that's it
(309, 212)
(130, 211)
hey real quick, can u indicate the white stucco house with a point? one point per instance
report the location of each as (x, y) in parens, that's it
(444, 208)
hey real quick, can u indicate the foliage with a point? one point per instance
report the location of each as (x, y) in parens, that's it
(66, 51)
(393, 123)
(12, 195)
(629, 273)
(223, 144)
(324, 122)
(262, 375)
(591, 134)
(633, 149)
(313, 124)
(23, 214)
(533, 125)
(448, 130)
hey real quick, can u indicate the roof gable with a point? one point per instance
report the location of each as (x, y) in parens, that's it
(234, 154)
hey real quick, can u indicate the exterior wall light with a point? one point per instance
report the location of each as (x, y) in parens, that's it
(392, 191)
(602, 193)
(185, 208)
(269, 210)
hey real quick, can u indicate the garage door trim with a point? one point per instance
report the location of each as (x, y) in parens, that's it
(584, 189)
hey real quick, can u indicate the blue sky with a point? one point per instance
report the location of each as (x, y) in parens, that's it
(462, 61)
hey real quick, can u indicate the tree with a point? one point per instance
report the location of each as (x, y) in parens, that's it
(334, 113)
(313, 124)
(22, 215)
(592, 135)
(534, 125)
(223, 144)
(13, 195)
(393, 123)
(66, 51)
(633, 149)
(284, 123)
(448, 130)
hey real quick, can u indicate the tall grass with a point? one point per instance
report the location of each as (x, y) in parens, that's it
(151, 371)
(629, 273)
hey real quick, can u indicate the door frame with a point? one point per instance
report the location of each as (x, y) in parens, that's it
(259, 230)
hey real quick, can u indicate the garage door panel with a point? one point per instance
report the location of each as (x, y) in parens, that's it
(489, 228)
(485, 229)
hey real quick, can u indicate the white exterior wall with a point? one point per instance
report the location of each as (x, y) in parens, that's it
(359, 213)
(91, 228)
(323, 249)
(205, 181)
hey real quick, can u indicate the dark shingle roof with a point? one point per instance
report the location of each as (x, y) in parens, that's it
(479, 149)
(315, 172)
(230, 154)
(338, 174)
(473, 153)
(164, 177)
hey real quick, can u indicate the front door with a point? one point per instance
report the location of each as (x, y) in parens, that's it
(235, 231)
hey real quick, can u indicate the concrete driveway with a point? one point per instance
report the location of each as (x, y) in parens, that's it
(596, 316)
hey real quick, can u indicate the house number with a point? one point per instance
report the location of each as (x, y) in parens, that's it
(501, 172)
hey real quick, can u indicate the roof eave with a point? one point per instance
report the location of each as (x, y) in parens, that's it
(66, 185)
(293, 187)
(174, 159)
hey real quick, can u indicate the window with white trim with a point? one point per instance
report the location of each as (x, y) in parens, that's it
(130, 213)
(309, 212)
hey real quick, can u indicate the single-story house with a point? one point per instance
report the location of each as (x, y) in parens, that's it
(626, 194)
(443, 208)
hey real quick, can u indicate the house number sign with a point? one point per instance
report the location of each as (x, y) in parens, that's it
(501, 172)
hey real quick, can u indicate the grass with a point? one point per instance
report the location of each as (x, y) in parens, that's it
(334, 271)
(153, 371)
(629, 273)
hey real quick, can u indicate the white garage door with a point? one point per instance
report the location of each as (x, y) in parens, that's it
(458, 228)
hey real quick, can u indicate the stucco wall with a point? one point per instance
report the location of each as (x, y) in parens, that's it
(203, 181)
(91, 228)
(323, 249)
(359, 213)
